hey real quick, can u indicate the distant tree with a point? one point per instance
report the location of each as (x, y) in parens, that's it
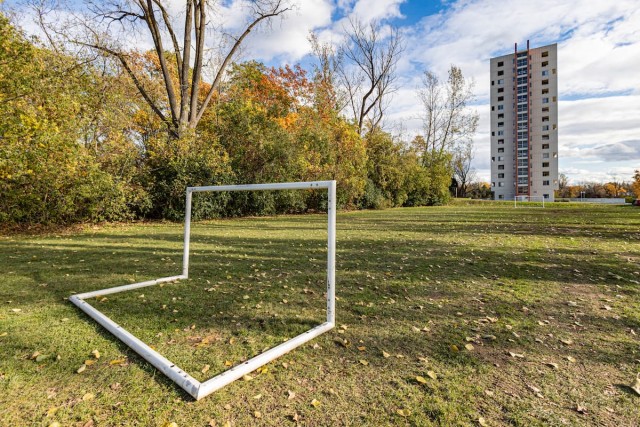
(463, 172)
(367, 71)
(635, 185)
(479, 190)
(448, 123)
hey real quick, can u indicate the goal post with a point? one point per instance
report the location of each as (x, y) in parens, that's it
(530, 201)
(195, 388)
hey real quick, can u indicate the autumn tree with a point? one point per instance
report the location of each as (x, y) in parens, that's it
(635, 185)
(179, 46)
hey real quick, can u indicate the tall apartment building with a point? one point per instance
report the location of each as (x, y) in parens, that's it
(524, 123)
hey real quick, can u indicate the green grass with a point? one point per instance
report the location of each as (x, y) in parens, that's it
(410, 282)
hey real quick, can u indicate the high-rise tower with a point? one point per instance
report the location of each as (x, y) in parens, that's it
(524, 124)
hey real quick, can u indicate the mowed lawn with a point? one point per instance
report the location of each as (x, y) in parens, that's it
(469, 314)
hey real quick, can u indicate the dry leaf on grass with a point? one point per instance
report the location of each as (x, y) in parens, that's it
(636, 385)
(385, 354)
(315, 403)
(421, 380)
(432, 375)
(291, 395)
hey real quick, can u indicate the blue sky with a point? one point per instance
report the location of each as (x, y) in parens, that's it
(598, 71)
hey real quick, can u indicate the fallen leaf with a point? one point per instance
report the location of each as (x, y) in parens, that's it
(89, 362)
(571, 359)
(518, 355)
(54, 424)
(362, 348)
(482, 422)
(385, 354)
(292, 395)
(364, 362)
(454, 348)
(117, 362)
(432, 375)
(205, 369)
(568, 341)
(4, 334)
(16, 310)
(170, 424)
(34, 355)
(247, 377)
(52, 411)
(81, 369)
(88, 396)
(581, 409)
(41, 357)
(551, 364)
(228, 363)
(421, 380)
(403, 412)
(257, 414)
(96, 354)
(315, 403)
(257, 396)
(469, 347)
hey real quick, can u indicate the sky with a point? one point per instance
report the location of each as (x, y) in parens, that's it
(598, 63)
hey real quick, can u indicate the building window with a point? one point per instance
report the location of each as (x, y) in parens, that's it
(545, 91)
(500, 90)
(545, 173)
(545, 100)
(523, 117)
(545, 82)
(523, 98)
(545, 109)
(545, 127)
(500, 175)
(521, 62)
(545, 118)
(545, 155)
(544, 165)
(544, 64)
(545, 53)
(500, 107)
(500, 124)
(545, 73)
(500, 184)
(545, 146)
(501, 73)
(501, 158)
(500, 98)
(522, 80)
(500, 167)
(501, 116)
(545, 137)
(500, 64)
(500, 81)
(554, 99)
(546, 182)
(522, 89)
(501, 141)
(500, 150)
(522, 108)
(500, 132)
(501, 196)
(546, 196)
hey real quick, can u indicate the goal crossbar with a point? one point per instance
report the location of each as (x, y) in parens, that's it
(195, 388)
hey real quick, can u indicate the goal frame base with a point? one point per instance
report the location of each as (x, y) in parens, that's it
(193, 387)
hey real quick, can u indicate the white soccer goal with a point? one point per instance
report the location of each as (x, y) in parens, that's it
(529, 201)
(192, 386)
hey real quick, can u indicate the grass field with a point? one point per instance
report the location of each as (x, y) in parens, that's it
(476, 314)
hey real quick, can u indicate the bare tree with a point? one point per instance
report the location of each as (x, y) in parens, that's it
(463, 172)
(179, 46)
(368, 71)
(448, 123)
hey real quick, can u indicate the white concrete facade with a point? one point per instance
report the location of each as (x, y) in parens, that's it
(524, 123)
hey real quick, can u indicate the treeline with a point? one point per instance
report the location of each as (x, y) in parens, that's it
(78, 143)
